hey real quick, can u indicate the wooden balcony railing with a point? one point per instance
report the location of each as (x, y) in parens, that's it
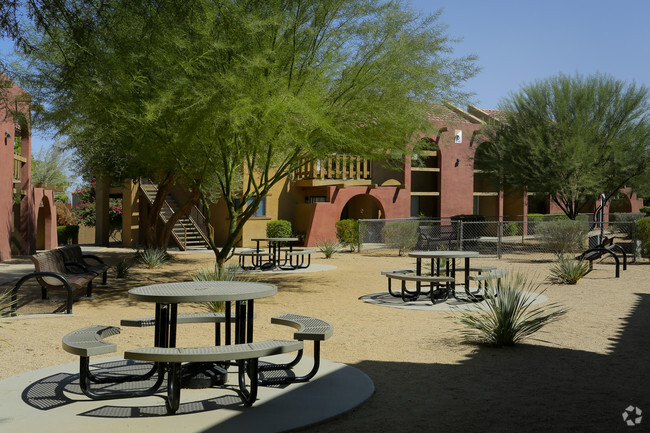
(344, 167)
(18, 165)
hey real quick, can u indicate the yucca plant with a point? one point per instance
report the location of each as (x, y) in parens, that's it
(153, 257)
(328, 248)
(567, 270)
(123, 267)
(507, 315)
(226, 273)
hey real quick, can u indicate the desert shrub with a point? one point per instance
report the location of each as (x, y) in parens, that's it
(153, 257)
(511, 229)
(624, 222)
(507, 315)
(567, 270)
(65, 216)
(563, 236)
(278, 229)
(328, 248)
(347, 232)
(5, 305)
(123, 267)
(402, 235)
(477, 227)
(67, 235)
(643, 234)
(226, 273)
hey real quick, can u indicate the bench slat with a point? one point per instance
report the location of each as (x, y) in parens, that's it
(214, 353)
(421, 278)
(308, 328)
(181, 318)
(90, 341)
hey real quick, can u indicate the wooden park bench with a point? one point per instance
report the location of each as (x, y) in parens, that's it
(73, 258)
(51, 272)
(436, 236)
(605, 247)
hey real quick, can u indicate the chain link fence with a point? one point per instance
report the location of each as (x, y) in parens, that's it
(531, 240)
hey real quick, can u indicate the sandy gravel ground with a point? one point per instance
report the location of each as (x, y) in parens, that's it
(580, 375)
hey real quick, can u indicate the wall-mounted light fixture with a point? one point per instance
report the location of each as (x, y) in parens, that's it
(457, 161)
(7, 137)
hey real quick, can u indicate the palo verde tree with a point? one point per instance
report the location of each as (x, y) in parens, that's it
(229, 96)
(107, 73)
(280, 83)
(571, 138)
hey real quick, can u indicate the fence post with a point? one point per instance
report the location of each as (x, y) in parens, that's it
(359, 236)
(634, 246)
(499, 235)
(460, 235)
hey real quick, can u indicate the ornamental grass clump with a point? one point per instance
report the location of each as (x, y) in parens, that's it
(507, 315)
(567, 270)
(226, 273)
(153, 257)
(328, 248)
(5, 306)
(123, 267)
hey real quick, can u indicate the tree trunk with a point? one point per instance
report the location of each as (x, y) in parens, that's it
(164, 187)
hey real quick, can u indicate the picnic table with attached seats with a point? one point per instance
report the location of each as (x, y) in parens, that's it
(168, 358)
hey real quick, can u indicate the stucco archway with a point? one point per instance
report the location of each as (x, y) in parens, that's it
(46, 236)
(362, 206)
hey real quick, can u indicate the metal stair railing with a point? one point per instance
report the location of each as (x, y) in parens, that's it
(181, 242)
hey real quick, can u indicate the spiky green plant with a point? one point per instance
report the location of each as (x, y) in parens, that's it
(507, 315)
(226, 273)
(5, 306)
(328, 248)
(153, 257)
(123, 267)
(567, 270)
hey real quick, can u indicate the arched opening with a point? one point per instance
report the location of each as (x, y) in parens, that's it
(362, 206)
(620, 204)
(44, 224)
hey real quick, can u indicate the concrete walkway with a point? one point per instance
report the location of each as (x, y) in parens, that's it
(49, 400)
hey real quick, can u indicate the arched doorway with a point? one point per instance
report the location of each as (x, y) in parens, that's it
(44, 224)
(362, 206)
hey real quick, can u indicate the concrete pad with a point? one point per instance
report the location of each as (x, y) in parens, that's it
(385, 299)
(50, 400)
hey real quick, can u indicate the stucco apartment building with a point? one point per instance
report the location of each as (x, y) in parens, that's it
(437, 183)
(27, 213)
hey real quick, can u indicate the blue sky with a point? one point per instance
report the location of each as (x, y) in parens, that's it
(520, 41)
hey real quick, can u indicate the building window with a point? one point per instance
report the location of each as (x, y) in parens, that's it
(261, 209)
(315, 199)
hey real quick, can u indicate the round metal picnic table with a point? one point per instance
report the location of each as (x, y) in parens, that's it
(450, 270)
(275, 248)
(168, 296)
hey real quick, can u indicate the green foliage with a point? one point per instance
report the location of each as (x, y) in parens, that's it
(508, 315)
(123, 267)
(68, 235)
(645, 209)
(571, 138)
(18, 145)
(278, 229)
(563, 236)
(328, 248)
(624, 222)
(567, 270)
(153, 257)
(643, 234)
(50, 166)
(86, 213)
(347, 232)
(226, 273)
(5, 305)
(511, 228)
(223, 90)
(402, 235)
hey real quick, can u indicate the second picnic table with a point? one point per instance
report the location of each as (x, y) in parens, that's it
(449, 258)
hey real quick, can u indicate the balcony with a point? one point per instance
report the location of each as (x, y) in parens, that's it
(17, 178)
(340, 170)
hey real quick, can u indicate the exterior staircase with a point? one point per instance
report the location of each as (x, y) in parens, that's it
(188, 232)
